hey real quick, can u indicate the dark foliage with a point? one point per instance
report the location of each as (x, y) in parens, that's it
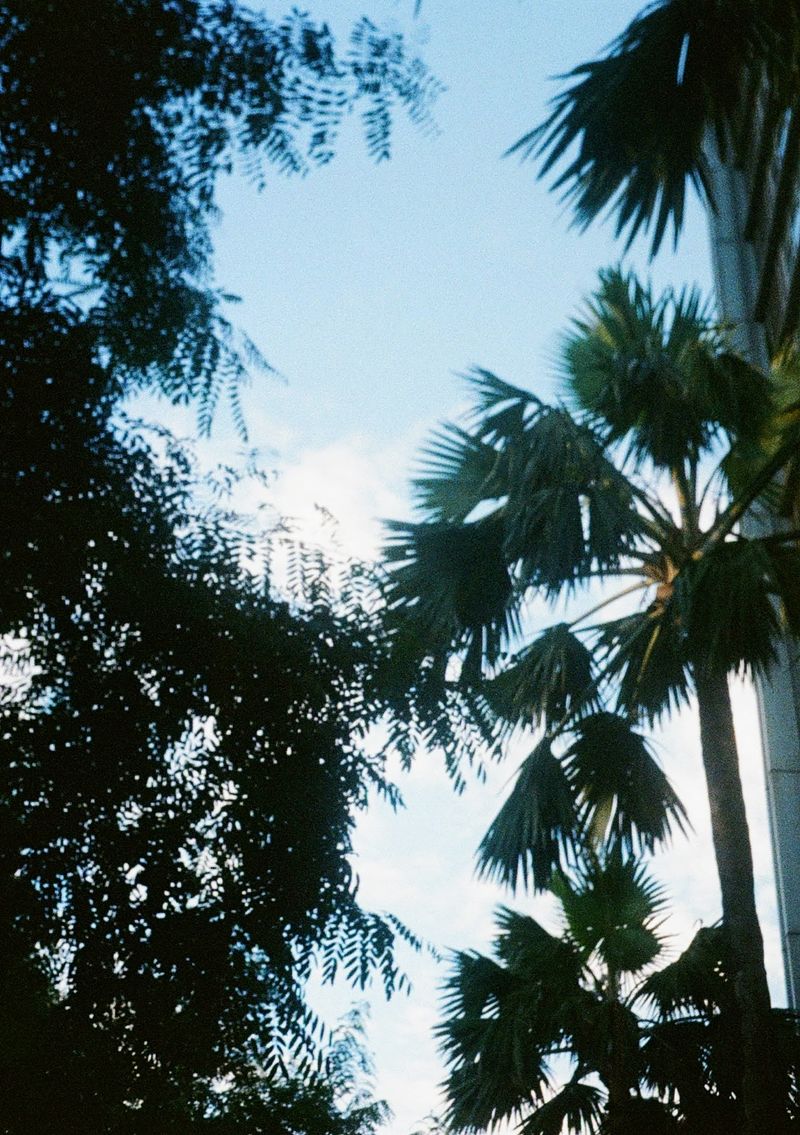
(183, 752)
(654, 1050)
(640, 113)
(183, 749)
(117, 120)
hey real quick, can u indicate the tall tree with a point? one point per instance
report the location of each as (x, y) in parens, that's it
(167, 712)
(167, 715)
(531, 500)
(705, 95)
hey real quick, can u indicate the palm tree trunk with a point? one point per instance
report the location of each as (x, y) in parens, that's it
(763, 1104)
(617, 1080)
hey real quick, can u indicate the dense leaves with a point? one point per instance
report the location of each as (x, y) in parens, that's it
(184, 738)
(166, 717)
(117, 121)
(648, 1049)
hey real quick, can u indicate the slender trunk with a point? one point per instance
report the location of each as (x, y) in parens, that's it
(616, 1079)
(763, 1105)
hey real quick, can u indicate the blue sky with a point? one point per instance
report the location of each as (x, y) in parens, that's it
(369, 287)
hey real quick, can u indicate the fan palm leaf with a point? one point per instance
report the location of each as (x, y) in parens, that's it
(578, 1106)
(621, 791)
(629, 131)
(550, 679)
(535, 829)
(658, 374)
(459, 581)
(612, 909)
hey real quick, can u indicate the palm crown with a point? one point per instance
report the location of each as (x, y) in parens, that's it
(626, 481)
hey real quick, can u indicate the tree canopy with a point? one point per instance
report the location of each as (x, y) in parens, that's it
(185, 744)
(118, 120)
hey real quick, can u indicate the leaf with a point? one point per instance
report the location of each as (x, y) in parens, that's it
(547, 681)
(534, 830)
(612, 908)
(697, 981)
(643, 658)
(578, 1105)
(461, 472)
(568, 510)
(503, 1020)
(527, 949)
(659, 374)
(622, 794)
(724, 602)
(453, 580)
(629, 132)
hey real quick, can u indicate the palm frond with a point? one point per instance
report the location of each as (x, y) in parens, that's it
(699, 981)
(642, 657)
(622, 793)
(534, 831)
(577, 1105)
(525, 948)
(629, 131)
(780, 438)
(612, 907)
(495, 1065)
(501, 410)
(452, 580)
(459, 473)
(505, 1020)
(724, 604)
(475, 986)
(547, 681)
(569, 511)
(658, 374)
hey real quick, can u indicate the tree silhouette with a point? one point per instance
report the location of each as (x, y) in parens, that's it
(632, 486)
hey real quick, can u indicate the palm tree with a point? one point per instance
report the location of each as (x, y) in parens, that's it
(633, 486)
(703, 93)
(648, 1050)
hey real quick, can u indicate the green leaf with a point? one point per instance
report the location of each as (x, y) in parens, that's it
(629, 132)
(459, 472)
(621, 791)
(568, 511)
(452, 580)
(504, 1020)
(643, 658)
(534, 830)
(724, 602)
(612, 908)
(546, 681)
(526, 948)
(659, 374)
(699, 980)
